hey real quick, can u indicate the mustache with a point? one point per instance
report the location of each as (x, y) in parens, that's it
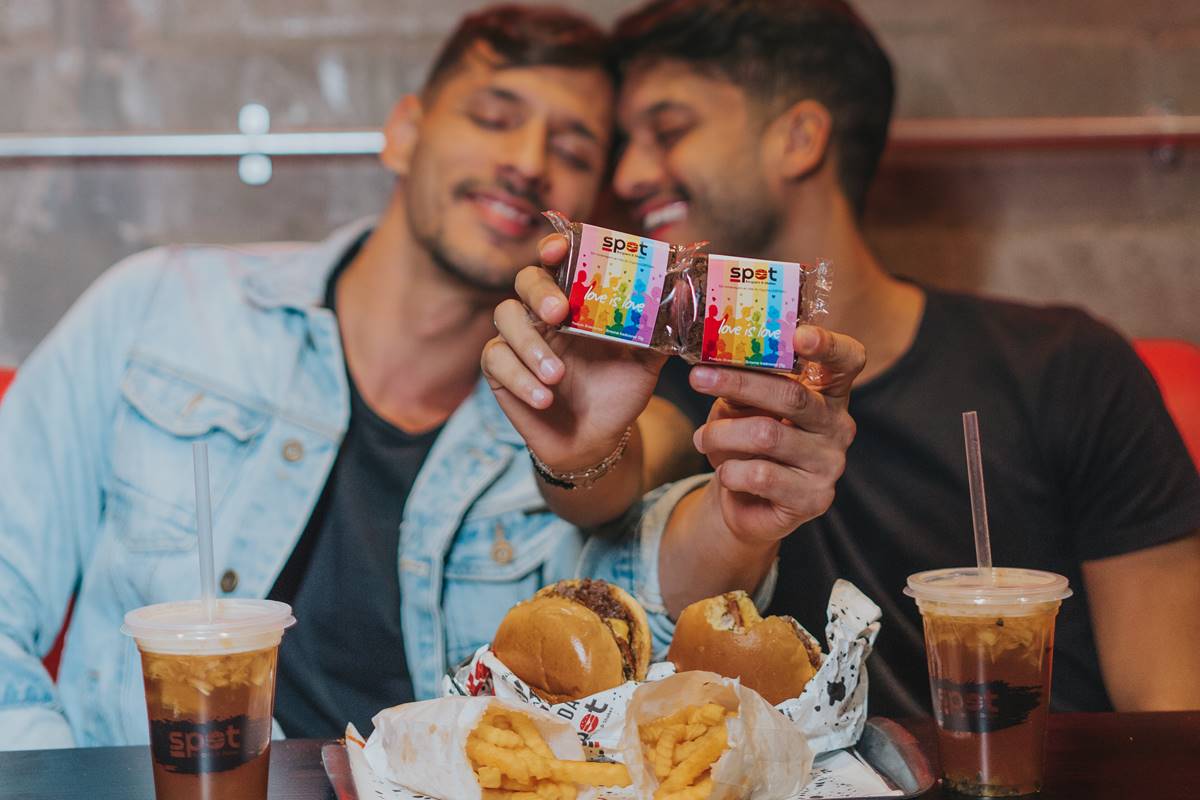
(675, 192)
(530, 194)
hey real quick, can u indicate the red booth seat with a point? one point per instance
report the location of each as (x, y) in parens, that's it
(55, 655)
(1175, 365)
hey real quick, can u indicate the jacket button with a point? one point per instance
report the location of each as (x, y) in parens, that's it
(292, 450)
(229, 581)
(502, 549)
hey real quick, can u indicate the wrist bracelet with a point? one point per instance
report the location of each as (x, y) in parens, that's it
(584, 478)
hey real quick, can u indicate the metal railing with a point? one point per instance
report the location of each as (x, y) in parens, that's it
(255, 145)
(983, 132)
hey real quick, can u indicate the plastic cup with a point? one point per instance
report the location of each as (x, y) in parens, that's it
(990, 645)
(210, 694)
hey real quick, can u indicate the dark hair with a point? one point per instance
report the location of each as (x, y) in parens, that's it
(525, 36)
(781, 51)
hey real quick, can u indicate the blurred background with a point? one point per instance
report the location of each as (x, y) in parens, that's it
(1115, 229)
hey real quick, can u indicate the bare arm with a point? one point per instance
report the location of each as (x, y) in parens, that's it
(1146, 614)
(660, 451)
(699, 558)
(572, 399)
(609, 497)
(667, 450)
(778, 445)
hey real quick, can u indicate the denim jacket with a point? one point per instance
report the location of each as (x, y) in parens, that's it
(231, 346)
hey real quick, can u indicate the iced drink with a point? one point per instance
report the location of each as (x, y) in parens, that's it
(210, 694)
(990, 647)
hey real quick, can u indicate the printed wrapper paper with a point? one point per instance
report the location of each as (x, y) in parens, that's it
(598, 720)
(422, 746)
(843, 774)
(766, 757)
(831, 712)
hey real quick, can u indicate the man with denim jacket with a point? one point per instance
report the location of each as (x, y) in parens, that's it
(279, 357)
(361, 470)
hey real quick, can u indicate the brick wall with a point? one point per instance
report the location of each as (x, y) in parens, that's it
(1109, 229)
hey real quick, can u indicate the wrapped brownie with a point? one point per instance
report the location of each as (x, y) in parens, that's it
(618, 285)
(682, 300)
(743, 312)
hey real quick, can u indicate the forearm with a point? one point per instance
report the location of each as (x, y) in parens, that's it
(660, 451)
(669, 454)
(609, 497)
(700, 557)
(1144, 611)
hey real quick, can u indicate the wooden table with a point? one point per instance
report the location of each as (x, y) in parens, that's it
(123, 773)
(1092, 756)
(1109, 756)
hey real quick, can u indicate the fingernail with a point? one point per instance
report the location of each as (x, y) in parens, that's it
(541, 396)
(704, 377)
(548, 366)
(808, 337)
(549, 306)
(698, 440)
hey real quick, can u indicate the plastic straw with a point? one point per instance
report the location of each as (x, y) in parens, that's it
(204, 529)
(983, 542)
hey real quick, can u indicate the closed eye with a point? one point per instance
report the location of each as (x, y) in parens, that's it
(669, 137)
(494, 109)
(578, 153)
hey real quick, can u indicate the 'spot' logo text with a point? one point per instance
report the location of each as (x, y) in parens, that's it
(614, 244)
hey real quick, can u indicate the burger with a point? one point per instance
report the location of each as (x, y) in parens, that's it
(574, 639)
(725, 634)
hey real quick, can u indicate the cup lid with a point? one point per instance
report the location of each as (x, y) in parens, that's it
(1010, 586)
(184, 621)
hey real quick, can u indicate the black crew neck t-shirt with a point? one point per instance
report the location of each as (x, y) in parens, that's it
(1081, 462)
(344, 660)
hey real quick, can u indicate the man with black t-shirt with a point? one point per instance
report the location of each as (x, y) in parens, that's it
(758, 125)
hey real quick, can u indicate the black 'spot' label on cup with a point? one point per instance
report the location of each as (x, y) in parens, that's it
(982, 707)
(190, 748)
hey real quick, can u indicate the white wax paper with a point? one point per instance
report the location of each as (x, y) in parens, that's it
(422, 746)
(832, 710)
(767, 758)
(843, 774)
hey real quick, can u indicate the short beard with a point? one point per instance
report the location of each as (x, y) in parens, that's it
(466, 275)
(455, 268)
(748, 231)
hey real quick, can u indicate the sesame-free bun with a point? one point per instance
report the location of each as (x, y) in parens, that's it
(575, 638)
(725, 634)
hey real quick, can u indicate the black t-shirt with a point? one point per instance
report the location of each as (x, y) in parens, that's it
(1081, 462)
(345, 660)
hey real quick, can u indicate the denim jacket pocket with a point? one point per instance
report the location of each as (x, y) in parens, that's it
(162, 414)
(495, 563)
(145, 524)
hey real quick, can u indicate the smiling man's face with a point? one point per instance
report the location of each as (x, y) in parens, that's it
(495, 147)
(691, 169)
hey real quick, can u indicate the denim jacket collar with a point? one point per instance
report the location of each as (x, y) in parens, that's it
(299, 282)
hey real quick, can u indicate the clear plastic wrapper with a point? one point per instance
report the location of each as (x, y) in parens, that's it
(743, 312)
(617, 285)
(682, 300)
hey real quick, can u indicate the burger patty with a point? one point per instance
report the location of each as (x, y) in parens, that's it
(594, 595)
